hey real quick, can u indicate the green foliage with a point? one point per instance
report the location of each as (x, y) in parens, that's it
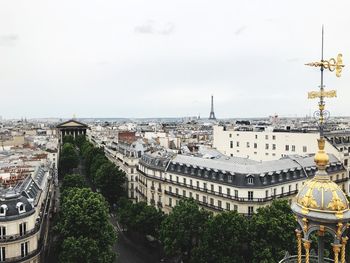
(68, 139)
(110, 180)
(84, 220)
(271, 231)
(80, 140)
(181, 230)
(140, 217)
(223, 239)
(96, 163)
(73, 180)
(68, 158)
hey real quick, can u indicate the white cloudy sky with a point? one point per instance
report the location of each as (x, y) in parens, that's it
(158, 58)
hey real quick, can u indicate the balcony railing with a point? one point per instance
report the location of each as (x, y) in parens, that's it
(30, 255)
(11, 238)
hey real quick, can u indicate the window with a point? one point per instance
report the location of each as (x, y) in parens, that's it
(22, 229)
(287, 147)
(2, 254)
(282, 190)
(296, 186)
(177, 191)
(236, 193)
(266, 137)
(220, 190)
(289, 188)
(266, 146)
(211, 201)
(237, 144)
(230, 135)
(197, 184)
(255, 145)
(273, 146)
(190, 182)
(250, 210)
(177, 179)
(20, 207)
(190, 193)
(248, 145)
(304, 149)
(3, 209)
(229, 178)
(170, 202)
(267, 193)
(273, 137)
(219, 204)
(132, 170)
(228, 191)
(256, 136)
(184, 180)
(170, 189)
(274, 192)
(235, 207)
(250, 180)
(204, 200)
(231, 144)
(2, 231)
(205, 186)
(184, 193)
(293, 148)
(250, 195)
(212, 187)
(197, 196)
(228, 206)
(24, 249)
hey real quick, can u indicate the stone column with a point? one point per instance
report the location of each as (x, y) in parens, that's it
(307, 244)
(298, 234)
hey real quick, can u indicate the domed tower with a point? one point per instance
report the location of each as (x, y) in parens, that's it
(321, 206)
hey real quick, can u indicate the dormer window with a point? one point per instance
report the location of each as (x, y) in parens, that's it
(20, 207)
(3, 209)
(250, 180)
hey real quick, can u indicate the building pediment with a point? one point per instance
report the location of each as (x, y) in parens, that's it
(72, 123)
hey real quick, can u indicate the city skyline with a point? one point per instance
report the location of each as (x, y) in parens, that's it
(164, 59)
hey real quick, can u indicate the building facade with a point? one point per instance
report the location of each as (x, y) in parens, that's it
(226, 183)
(23, 217)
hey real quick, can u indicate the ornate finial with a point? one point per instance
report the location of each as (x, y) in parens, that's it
(321, 158)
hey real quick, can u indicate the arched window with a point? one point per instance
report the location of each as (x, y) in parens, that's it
(20, 207)
(3, 209)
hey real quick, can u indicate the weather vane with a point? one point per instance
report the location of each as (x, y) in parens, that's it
(332, 65)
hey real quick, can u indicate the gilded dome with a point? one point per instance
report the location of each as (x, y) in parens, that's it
(322, 195)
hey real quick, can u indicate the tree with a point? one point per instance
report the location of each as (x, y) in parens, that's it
(68, 139)
(73, 180)
(181, 229)
(96, 163)
(140, 217)
(80, 140)
(84, 218)
(222, 240)
(69, 158)
(110, 181)
(271, 232)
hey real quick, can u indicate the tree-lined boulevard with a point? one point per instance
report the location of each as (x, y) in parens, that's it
(87, 223)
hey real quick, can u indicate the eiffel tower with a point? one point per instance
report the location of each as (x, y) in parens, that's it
(212, 114)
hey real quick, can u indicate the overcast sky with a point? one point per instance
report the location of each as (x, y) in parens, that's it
(162, 58)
